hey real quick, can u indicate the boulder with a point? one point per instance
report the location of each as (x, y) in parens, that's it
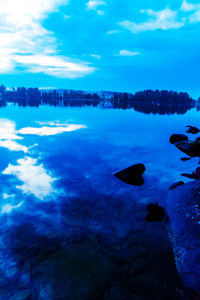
(190, 176)
(185, 158)
(174, 185)
(195, 174)
(156, 213)
(183, 207)
(174, 138)
(191, 129)
(132, 175)
(190, 148)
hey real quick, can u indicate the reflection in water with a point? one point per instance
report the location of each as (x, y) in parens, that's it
(13, 146)
(6, 196)
(8, 133)
(47, 130)
(8, 136)
(160, 109)
(47, 247)
(34, 176)
(7, 208)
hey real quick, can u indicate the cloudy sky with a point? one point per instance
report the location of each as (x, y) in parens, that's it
(117, 45)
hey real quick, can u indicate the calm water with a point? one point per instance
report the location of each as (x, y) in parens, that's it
(69, 228)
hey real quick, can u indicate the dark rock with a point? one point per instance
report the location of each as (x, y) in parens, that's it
(191, 129)
(132, 175)
(156, 213)
(195, 174)
(174, 185)
(174, 138)
(184, 231)
(191, 176)
(190, 148)
(185, 158)
(166, 219)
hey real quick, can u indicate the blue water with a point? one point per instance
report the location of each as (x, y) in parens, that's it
(58, 188)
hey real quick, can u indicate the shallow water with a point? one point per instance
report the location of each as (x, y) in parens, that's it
(69, 228)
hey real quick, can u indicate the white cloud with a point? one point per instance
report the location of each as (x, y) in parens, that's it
(127, 53)
(194, 17)
(164, 19)
(97, 56)
(24, 40)
(66, 17)
(47, 130)
(53, 65)
(34, 177)
(112, 31)
(94, 4)
(186, 6)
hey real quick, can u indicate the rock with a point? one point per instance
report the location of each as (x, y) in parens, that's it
(184, 231)
(190, 148)
(132, 175)
(156, 213)
(185, 158)
(174, 138)
(195, 174)
(76, 272)
(174, 185)
(191, 176)
(191, 129)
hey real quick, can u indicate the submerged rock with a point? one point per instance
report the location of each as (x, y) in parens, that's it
(191, 176)
(174, 138)
(185, 158)
(190, 148)
(132, 175)
(174, 185)
(183, 206)
(191, 129)
(195, 174)
(156, 213)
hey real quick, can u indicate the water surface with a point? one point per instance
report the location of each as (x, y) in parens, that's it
(69, 228)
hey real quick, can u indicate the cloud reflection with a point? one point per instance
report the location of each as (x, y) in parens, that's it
(34, 177)
(50, 130)
(7, 208)
(8, 136)
(8, 131)
(13, 146)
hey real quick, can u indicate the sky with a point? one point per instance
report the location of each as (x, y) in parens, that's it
(95, 45)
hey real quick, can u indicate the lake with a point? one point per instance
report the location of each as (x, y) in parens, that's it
(69, 228)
